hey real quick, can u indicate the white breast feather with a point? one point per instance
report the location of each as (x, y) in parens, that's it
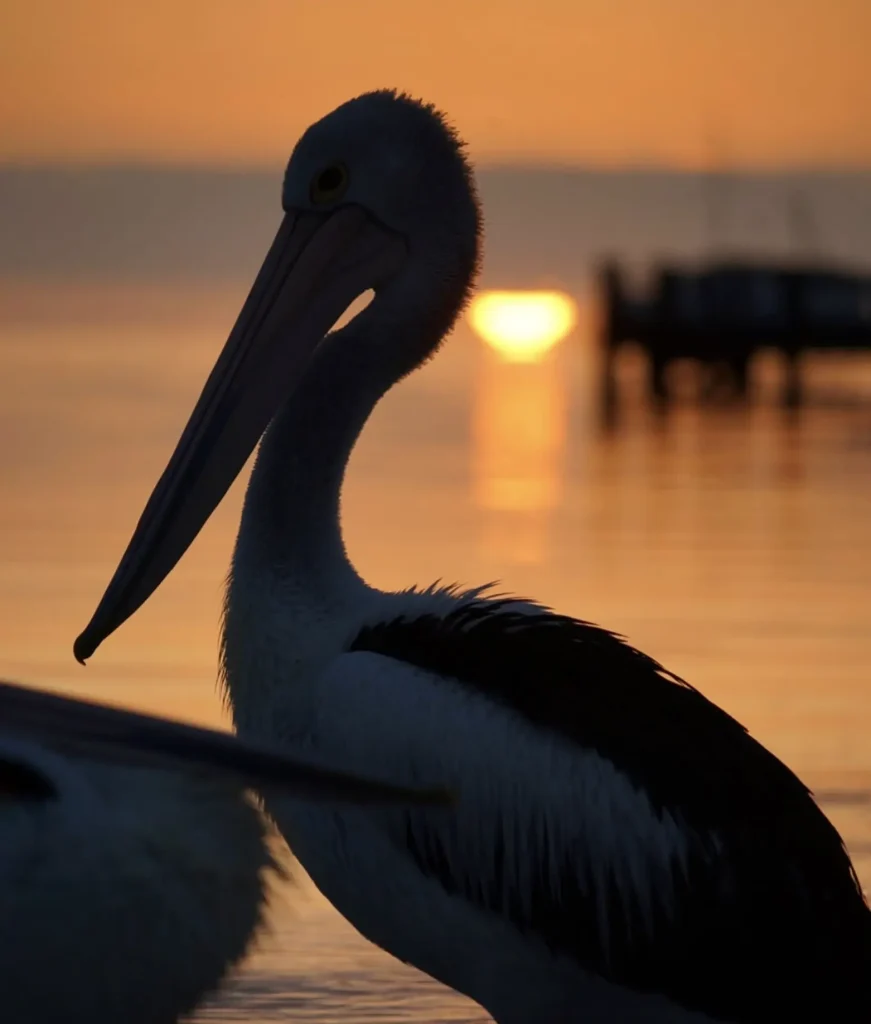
(547, 798)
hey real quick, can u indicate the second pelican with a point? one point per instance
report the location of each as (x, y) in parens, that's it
(134, 870)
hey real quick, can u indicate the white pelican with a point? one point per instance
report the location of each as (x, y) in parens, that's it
(131, 880)
(622, 849)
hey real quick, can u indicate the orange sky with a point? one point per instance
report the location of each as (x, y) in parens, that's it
(749, 82)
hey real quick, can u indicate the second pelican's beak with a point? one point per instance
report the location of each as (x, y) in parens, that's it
(317, 266)
(109, 735)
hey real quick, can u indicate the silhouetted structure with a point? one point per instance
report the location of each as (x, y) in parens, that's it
(721, 313)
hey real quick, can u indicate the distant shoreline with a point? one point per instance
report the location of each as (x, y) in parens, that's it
(545, 226)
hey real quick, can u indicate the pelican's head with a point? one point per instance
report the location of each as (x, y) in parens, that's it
(400, 162)
(378, 196)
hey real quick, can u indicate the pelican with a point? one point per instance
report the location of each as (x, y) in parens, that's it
(133, 869)
(622, 849)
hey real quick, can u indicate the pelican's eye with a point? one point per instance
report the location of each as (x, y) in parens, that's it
(330, 184)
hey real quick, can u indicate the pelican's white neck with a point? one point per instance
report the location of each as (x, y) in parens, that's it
(291, 526)
(293, 598)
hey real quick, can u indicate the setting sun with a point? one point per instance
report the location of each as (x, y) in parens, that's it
(522, 326)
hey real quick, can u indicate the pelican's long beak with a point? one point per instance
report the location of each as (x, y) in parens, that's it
(317, 266)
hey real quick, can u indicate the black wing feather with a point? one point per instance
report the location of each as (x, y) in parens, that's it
(769, 922)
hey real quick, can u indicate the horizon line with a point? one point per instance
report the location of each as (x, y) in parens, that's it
(164, 165)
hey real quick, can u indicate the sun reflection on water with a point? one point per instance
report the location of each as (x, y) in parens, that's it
(519, 425)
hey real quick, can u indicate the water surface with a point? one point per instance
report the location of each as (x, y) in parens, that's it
(732, 544)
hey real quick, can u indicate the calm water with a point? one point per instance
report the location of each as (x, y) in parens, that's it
(732, 544)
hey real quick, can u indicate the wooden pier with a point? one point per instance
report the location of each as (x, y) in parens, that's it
(721, 313)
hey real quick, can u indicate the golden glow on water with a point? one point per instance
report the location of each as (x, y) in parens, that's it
(518, 443)
(522, 326)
